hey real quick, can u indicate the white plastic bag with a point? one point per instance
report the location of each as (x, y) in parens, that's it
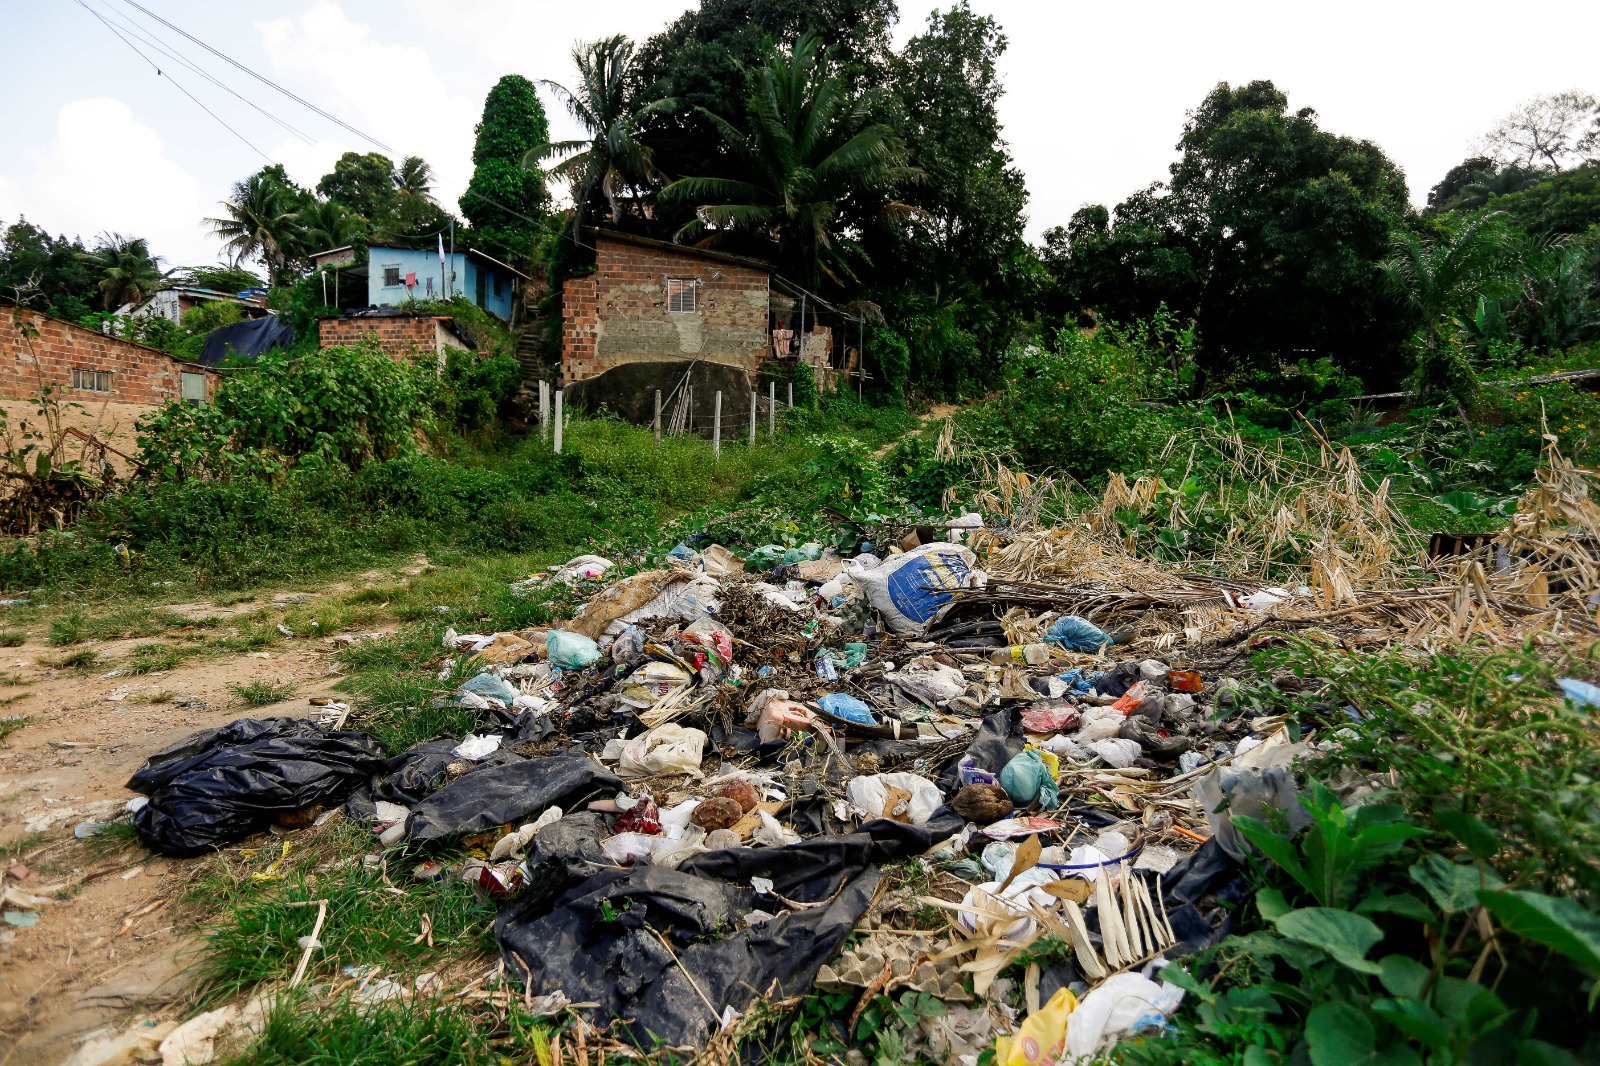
(929, 680)
(666, 749)
(911, 588)
(1125, 1004)
(772, 832)
(1116, 752)
(1098, 723)
(869, 793)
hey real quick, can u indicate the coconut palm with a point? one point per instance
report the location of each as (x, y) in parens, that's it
(414, 178)
(612, 161)
(127, 271)
(1435, 277)
(323, 224)
(260, 223)
(809, 150)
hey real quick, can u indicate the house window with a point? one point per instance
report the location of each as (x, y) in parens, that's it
(683, 296)
(499, 286)
(391, 277)
(194, 388)
(91, 380)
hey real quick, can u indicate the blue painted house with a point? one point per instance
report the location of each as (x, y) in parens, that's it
(395, 275)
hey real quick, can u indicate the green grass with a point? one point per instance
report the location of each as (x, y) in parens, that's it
(344, 1034)
(13, 680)
(261, 693)
(19, 847)
(82, 659)
(68, 630)
(155, 658)
(14, 724)
(12, 638)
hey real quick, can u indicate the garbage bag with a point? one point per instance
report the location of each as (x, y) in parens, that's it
(682, 601)
(509, 794)
(847, 707)
(1026, 778)
(620, 598)
(929, 680)
(1079, 634)
(1125, 1004)
(869, 794)
(419, 771)
(571, 651)
(490, 686)
(910, 589)
(583, 566)
(218, 786)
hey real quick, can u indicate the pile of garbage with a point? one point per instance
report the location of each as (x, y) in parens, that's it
(683, 797)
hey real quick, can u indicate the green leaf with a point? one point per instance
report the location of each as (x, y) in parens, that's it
(1339, 1035)
(1272, 904)
(1415, 1019)
(1559, 924)
(1280, 850)
(1402, 903)
(1453, 886)
(1473, 833)
(1539, 1053)
(1344, 935)
(1402, 976)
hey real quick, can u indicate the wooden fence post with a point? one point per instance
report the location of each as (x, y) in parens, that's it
(772, 408)
(656, 425)
(558, 420)
(716, 426)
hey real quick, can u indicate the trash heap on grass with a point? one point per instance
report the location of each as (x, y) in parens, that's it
(685, 794)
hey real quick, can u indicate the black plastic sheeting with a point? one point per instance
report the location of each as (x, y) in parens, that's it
(218, 786)
(246, 340)
(508, 794)
(652, 945)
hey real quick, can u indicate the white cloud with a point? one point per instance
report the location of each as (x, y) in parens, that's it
(390, 91)
(105, 170)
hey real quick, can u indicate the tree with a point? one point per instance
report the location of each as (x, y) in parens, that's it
(260, 223)
(414, 178)
(53, 274)
(126, 269)
(324, 225)
(364, 184)
(1546, 131)
(963, 245)
(1267, 236)
(613, 162)
(1437, 278)
(809, 150)
(504, 199)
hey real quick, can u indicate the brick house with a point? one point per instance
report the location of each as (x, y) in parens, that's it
(405, 337)
(105, 382)
(650, 301)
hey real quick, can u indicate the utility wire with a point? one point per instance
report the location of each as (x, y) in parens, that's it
(259, 77)
(163, 74)
(158, 45)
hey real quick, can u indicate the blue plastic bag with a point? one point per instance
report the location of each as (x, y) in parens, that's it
(1080, 682)
(1580, 692)
(1079, 634)
(491, 686)
(847, 708)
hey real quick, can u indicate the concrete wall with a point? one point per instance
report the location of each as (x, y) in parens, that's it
(139, 374)
(431, 282)
(628, 391)
(406, 338)
(619, 315)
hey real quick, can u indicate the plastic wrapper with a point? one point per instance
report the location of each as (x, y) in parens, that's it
(870, 793)
(929, 680)
(666, 749)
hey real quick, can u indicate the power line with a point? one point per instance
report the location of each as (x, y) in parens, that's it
(159, 46)
(259, 77)
(163, 74)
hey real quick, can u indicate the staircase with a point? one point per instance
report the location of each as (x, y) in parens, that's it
(527, 351)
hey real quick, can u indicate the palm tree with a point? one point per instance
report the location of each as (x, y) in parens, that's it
(323, 225)
(612, 160)
(260, 223)
(413, 178)
(128, 272)
(1435, 277)
(809, 150)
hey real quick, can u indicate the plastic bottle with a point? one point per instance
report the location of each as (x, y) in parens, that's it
(1033, 654)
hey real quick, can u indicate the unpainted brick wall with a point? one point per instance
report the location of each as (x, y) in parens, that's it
(405, 338)
(139, 374)
(619, 313)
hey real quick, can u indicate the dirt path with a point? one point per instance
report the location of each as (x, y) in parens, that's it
(114, 947)
(937, 413)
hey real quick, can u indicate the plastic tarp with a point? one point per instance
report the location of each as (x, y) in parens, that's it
(605, 940)
(218, 786)
(415, 774)
(508, 794)
(246, 340)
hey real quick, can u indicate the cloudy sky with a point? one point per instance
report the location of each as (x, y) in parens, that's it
(1096, 93)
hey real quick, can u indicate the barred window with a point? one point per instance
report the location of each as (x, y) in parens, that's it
(683, 295)
(391, 277)
(91, 380)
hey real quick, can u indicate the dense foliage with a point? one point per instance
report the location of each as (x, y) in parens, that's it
(504, 199)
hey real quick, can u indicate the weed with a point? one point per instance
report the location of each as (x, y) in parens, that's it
(154, 658)
(19, 847)
(68, 630)
(13, 724)
(162, 696)
(13, 680)
(13, 698)
(78, 660)
(262, 693)
(346, 1034)
(12, 638)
